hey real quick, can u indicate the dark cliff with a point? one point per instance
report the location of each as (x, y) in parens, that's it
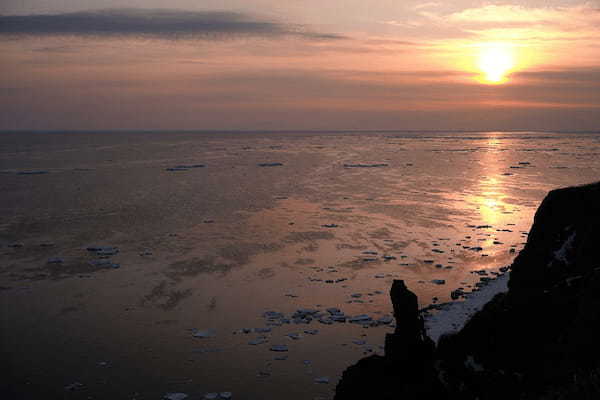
(538, 340)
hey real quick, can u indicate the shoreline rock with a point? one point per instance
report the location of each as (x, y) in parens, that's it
(537, 340)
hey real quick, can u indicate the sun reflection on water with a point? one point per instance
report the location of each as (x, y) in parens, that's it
(489, 194)
(490, 207)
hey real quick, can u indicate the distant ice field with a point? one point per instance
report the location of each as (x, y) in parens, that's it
(147, 263)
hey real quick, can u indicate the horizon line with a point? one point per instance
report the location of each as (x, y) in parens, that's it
(48, 131)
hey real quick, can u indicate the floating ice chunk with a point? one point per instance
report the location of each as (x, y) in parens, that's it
(307, 311)
(257, 341)
(107, 252)
(386, 319)
(272, 314)
(456, 294)
(262, 330)
(55, 260)
(207, 350)
(362, 318)
(175, 396)
(273, 164)
(100, 248)
(356, 295)
(326, 321)
(279, 348)
(211, 396)
(208, 333)
(281, 358)
(104, 263)
(176, 169)
(225, 395)
(359, 342)
(294, 336)
(312, 332)
(365, 165)
(39, 172)
(304, 315)
(334, 311)
(190, 166)
(74, 386)
(323, 380)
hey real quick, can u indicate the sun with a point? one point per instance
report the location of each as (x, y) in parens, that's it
(495, 62)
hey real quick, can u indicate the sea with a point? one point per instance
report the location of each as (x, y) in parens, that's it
(256, 265)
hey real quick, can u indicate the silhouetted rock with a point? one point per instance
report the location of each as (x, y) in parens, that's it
(544, 330)
(407, 369)
(538, 340)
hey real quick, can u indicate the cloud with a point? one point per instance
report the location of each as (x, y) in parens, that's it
(517, 22)
(581, 17)
(161, 23)
(431, 4)
(507, 14)
(574, 77)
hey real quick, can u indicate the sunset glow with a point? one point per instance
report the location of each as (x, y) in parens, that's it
(195, 191)
(251, 64)
(495, 62)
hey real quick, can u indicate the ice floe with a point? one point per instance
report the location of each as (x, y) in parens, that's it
(258, 341)
(175, 396)
(273, 164)
(208, 333)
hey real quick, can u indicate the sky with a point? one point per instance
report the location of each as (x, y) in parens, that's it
(299, 65)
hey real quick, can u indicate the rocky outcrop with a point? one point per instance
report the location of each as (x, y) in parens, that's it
(408, 366)
(538, 340)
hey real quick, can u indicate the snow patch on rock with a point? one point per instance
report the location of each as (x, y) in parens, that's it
(561, 253)
(452, 317)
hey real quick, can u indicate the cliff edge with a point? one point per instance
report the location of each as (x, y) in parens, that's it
(538, 340)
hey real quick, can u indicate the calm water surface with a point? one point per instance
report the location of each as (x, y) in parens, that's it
(213, 248)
